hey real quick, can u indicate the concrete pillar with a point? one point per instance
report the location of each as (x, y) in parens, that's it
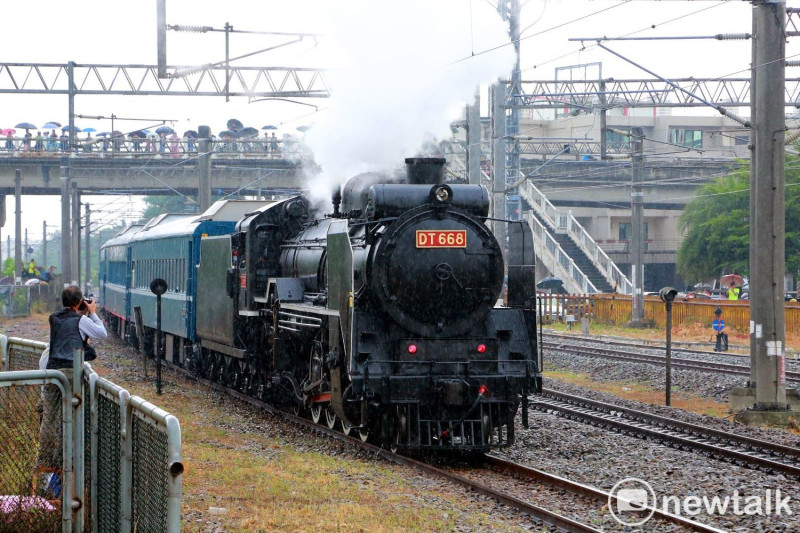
(18, 266)
(66, 234)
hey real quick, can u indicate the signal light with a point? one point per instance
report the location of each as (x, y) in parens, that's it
(483, 390)
(481, 348)
(412, 348)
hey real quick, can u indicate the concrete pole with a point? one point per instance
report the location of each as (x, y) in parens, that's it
(603, 109)
(2, 224)
(204, 168)
(767, 313)
(499, 161)
(76, 235)
(88, 276)
(637, 227)
(474, 141)
(71, 102)
(44, 244)
(18, 266)
(66, 235)
(753, 165)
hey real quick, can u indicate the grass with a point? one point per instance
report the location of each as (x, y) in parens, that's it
(642, 392)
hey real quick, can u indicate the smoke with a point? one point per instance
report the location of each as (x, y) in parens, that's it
(403, 72)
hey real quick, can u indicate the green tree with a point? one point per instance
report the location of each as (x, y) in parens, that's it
(158, 205)
(717, 226)
(8, 266)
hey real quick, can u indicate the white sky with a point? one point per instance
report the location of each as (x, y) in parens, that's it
(113, 32)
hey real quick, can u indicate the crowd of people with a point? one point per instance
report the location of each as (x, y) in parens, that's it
(162, 143)
(37, 272)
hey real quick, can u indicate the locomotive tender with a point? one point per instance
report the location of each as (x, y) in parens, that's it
(381, 316)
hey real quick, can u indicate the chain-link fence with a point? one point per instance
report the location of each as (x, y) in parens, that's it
(34, 416)
(20, 354)
(127, 458)
(15, 300)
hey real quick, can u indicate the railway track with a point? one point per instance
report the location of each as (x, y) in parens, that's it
(658, 360)
(737, 449)
(791, 359)
(538, 513)
(518, 471)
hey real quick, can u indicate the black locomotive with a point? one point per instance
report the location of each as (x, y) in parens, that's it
(382, 316)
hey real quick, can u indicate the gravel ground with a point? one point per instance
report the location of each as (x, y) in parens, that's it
(704, 384)
(571, 449)
(601, 458)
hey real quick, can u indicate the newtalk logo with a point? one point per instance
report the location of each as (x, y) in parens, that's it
(632, 502)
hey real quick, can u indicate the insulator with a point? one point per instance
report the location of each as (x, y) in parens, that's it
(792, 137)
(732, 36)
(191, 29)
(792, 63)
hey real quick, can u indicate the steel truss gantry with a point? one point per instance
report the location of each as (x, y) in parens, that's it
(143, 80)
(586, 94)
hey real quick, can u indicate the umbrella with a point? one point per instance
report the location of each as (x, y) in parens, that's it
(103, 134)
(166, 130)
(229, 133)
(8, 131)
(729, 279)
(66, 128)
(303, 128)
(142, 134)
(51, 126)
(550, 283)
(190, 133)
(89, 130)
(234, 125)
(248, 132)
(703, 286)
(269, 127)
(117, 133)
(25, 126)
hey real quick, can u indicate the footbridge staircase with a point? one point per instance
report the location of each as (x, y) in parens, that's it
(567, 250)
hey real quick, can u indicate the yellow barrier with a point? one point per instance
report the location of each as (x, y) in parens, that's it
(615, 309)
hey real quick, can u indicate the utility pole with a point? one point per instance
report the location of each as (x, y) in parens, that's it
(88, 277)
(499, 161)
(18, 230)
(66, 239)
(76, 235)
(204, 168)
(768, 225)
(474, 141)
(637, 226)
(44, 244)
(603, 109)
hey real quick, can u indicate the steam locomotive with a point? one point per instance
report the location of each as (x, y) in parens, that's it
(381, 316)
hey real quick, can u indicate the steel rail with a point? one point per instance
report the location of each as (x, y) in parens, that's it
(507, 467)
(544, 515)
(717, 443)
(684, 364)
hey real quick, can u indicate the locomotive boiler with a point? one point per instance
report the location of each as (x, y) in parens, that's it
(382, 316)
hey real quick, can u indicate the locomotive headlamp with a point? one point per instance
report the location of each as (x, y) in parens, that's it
(441, 194)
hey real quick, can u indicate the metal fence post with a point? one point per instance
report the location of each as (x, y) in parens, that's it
(76, 402)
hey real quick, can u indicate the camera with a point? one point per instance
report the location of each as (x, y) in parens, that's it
(84, 302)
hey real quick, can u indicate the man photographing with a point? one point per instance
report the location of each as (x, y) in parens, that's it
(70, 329)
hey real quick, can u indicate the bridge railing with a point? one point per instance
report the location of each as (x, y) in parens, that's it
(127, 456)
(566, 222)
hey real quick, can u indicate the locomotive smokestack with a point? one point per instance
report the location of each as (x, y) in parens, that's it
(425, 170)
(337, 200)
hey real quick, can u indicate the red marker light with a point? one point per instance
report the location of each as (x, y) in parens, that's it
(412, 348)
(481, 348)
(483, 390)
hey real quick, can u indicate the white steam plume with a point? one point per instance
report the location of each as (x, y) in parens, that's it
(404, 72)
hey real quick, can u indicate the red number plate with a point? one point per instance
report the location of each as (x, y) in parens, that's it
(442, 239)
